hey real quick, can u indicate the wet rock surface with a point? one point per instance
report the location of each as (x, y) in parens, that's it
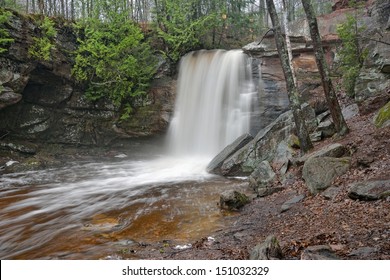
(217, 161)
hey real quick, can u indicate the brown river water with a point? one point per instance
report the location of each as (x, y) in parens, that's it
(93, 210)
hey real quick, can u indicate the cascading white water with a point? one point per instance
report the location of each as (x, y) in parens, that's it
(213, 105)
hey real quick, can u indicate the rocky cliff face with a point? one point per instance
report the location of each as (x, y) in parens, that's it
(373, 84)
(39, 100)
(374, 78)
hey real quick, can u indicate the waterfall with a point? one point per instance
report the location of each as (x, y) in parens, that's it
(213, 103)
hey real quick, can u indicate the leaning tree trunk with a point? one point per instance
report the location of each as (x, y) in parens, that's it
(292, 90)
(330, 94)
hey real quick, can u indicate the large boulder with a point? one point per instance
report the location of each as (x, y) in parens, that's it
(370, 190)
(382, 118)
(8, 97)
(374, 77)
(319, 173)
(217, 161)
(263, 180)
(350, 111)
(264, 145)
(233, 200)
(335, 150)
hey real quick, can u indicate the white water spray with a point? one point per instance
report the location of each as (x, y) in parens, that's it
(213, 105)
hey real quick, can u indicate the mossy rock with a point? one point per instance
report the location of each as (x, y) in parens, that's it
(293, 141)
(233, 200)
(382, 118)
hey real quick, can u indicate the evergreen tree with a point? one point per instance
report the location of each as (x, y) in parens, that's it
(115, 60)
(5, 38)
(351, 53)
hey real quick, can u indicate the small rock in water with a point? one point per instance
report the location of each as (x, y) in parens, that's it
(210, 239)
(11, 162)
(121, 156)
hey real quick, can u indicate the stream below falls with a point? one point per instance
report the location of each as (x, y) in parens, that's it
(91, 210)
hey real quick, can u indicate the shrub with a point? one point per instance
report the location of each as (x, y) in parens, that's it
(5, 38)
(115, 61)
(42, 46)
(351, 53)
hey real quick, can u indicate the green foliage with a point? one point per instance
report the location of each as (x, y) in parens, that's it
(179, 29)
(5, 38)
(383, 116)
(115, 61)
(351, 53)
(41, 49)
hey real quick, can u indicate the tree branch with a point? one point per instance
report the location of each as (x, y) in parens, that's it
(378, 41)
(271, 29)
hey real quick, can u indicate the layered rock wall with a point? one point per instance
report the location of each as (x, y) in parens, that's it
(40, 100)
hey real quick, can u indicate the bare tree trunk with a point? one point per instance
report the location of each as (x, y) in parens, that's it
(330, 94)
(63, 12)
(72, 14)
(288, 42)
(292, 90)
(41, 6)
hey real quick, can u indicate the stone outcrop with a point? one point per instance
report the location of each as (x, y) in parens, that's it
(374, 77)
(268, 250)
(323, 166)
(382, 118)
(39, 100)
(319, 173)
(304, 59)
(333, 150)
(370, 190)
(217, 161)
(8, 97)
(263, 146)
(263, 179)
